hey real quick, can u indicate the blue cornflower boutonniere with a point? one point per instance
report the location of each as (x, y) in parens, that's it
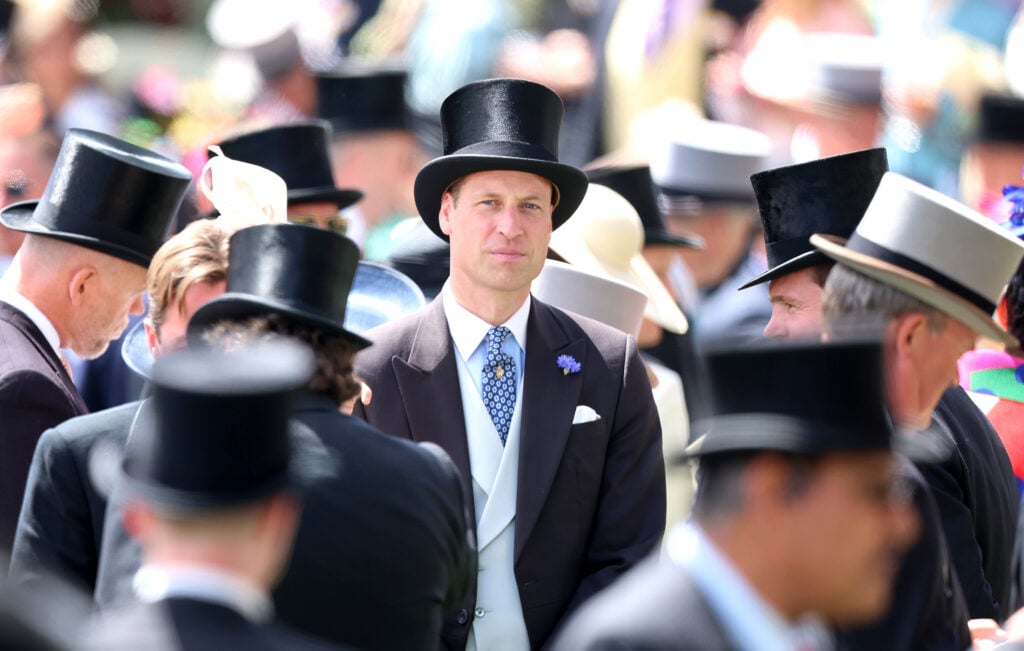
(568, 364)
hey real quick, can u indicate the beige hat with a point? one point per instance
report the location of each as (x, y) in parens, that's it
(933, 248)
(605, 236)
(598, 297)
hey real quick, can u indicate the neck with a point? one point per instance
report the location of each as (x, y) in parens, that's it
(761, 564)
(493, 307)
(41, 297)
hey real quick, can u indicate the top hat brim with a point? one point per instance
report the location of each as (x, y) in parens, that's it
(802, 261)
(340, 196)
(737, 433)
(18, 217)
(915, 285)
(135, 351)
(378, 295)
(234, 306)
(437, 175)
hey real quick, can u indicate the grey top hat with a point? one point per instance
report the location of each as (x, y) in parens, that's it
(709, 162)
(933, 248)
(601, 298)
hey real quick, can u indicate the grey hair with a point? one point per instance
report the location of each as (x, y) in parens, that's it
(854, 300)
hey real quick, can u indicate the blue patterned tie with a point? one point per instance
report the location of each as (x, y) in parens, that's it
(499, 382)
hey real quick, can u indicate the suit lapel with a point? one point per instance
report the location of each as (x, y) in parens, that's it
(549, 402)
(24, 325)
(429, 387)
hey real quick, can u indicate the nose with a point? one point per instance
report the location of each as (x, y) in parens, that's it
(775, 329)
(508, 222)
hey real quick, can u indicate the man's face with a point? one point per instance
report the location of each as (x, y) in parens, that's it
(796, 306)
(114, 293)
(499, 227)
(172, 333)
(850, 527)
(922, 364)
(323, 214)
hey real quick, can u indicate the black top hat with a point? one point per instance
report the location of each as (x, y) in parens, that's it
(635, 184)
(500, 124)
(215, 431)
(300, 272)
(361, 98)
(839, 406)
(1000, 119)
(105, 194)
(829, 195)
(300, 153)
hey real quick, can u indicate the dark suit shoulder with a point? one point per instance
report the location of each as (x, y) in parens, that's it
(656, 606)
(81, 432)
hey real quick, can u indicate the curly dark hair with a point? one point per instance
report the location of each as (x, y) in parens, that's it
(334, 374)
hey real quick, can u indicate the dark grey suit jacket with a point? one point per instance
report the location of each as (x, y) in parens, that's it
(61, 523)
(976, 494)
(655, 607)
(382, 549)
(35, 394)
(590, 497)
(182, 624)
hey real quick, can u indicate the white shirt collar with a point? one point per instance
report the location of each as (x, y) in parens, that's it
(11, 296)
(156, 582)
(749, 621)
(468, 330)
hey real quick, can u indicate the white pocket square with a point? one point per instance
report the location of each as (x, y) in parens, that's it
(584, 414)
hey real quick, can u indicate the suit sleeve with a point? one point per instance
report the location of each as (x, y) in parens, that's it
(30, 403)
(630, 518)
(54, 533)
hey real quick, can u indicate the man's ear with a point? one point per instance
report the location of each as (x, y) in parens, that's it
(909, 338)
(152, 339)
(444, 214)
(80, 283)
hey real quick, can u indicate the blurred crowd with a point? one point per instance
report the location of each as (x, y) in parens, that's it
(722, 172)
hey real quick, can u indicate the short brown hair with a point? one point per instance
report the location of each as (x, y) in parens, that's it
(198, 254)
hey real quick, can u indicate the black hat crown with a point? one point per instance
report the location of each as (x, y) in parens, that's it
(215, 431)
(635, 184)
(300, 272)
(1000, 119)
(828, 196)
(105, 194)
(840, 405)
(300, 153)
(500, 124)
(361, 99)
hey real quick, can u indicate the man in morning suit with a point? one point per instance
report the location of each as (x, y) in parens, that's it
(930, 270)
(382, 550)
(830, 195)
(63, 516)
(78, 275)
(799, 516)
(209, 485)
(550, 418)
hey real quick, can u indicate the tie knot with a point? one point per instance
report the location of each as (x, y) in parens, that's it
(496, 337)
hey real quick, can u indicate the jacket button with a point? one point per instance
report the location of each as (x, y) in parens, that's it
(463, 616)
